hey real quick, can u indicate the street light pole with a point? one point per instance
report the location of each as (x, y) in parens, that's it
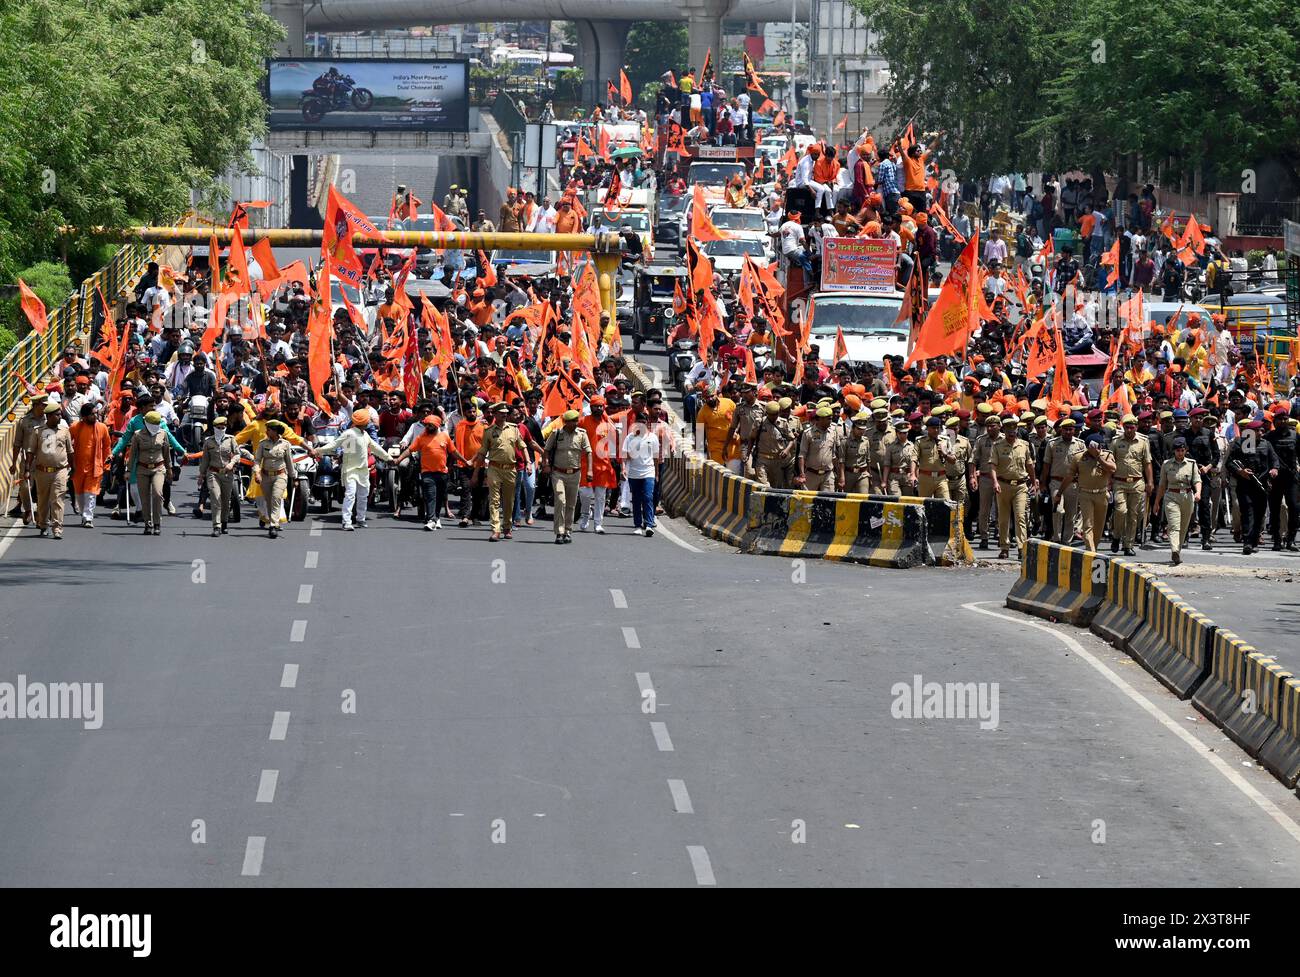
(794, 98)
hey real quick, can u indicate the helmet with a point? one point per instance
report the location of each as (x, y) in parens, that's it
(186, 349)
(198, 404)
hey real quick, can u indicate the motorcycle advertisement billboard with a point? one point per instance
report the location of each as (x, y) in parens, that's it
(324, 93)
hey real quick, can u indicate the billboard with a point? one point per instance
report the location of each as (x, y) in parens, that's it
(856, 264)
(324, 93)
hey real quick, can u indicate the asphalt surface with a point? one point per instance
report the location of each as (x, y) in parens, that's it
(499, 736)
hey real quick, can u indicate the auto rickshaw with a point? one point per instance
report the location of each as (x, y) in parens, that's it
(653, 315)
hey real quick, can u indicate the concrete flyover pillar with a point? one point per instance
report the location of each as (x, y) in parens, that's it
(290, 15)
(704, 30)
(601, 46)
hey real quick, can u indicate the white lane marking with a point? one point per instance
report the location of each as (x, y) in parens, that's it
(313, 558)
(630, 638)
(299, 631)
(304, 593)
(644, 684)
(662, 739)
(10, 536)
(289, 678)
(1213, 759)
(315, 527)
(681, 799)
(619, 600)
(700, 863)
(674, 538)
(253, 855)
(279, 725)
(266, 787)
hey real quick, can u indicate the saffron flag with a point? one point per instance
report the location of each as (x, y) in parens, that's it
(214, 264)
(582, 149)
(266, 259)
(707, 68)
(319, 335)
(701, 227)
(842, 123)
(33, 307)
(237, 279)
(624, 87)
(841, 352)
(602, 144)
(954, 315)
(342, 220)
(751, 76)
(1111, 257)
(790, 160)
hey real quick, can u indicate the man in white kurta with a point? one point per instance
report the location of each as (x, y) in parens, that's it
(357, 445)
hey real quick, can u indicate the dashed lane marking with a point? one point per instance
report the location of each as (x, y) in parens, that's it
(662, 739)
(316, 526)
(700, 863)
(266, 786)
(253, 853)
(299, 631)
(681, 799)
(289, 677)
(1213, 759)
(630, 638)
(279, 725)
(304, 593)
(313, 558)
(620, 601)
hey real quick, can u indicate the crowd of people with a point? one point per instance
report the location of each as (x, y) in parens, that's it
(512, 393)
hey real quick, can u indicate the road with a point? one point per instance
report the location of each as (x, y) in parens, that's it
(501, 733)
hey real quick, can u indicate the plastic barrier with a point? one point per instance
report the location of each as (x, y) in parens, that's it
(1256, 703)
(851, 529)
(1174, 641)
(1120, 616)
(1059, 583)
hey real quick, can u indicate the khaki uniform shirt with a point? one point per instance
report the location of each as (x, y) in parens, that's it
(29, 422)
(217, 455)
(983, 453)
(149, 450)
(899, 457)
(1011, 460)
(275, 458)
(51, 448)
(499, 444)
(748, 418)
(1060, 456)
(1180, 476)
(774, 440)
(858, 453)
(819, 449)
(569, 447)
(1091, 476)
(961, 457)
(1131, 458)
(932, 456)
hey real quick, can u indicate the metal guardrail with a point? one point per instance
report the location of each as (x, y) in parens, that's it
(74, 320)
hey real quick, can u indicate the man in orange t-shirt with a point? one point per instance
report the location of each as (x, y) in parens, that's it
(434, 447)
(598, 475)
(468, 439)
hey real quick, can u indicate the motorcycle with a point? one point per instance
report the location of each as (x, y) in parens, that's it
(763, 358)
(325, 484)
(300, 500)
(194, 423)
(681, 359)
(344, 95)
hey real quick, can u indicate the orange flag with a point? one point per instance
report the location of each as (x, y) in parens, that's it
(1192, 239)
(701, 269)
(751, 372)
(954, 315)
(237, 279)
(583, 149)
(707, 68)
(842, 123)
(216, 322)
(214, 264)
(342, 220)
(266, 259)
(1111, 257)
(319, 333)
(751, 75)
(33, 307)
(1040, 341)
(602, 143)
(1061, 381)
(841, 352)
(701, 227)
(790, 160)
(624, 87)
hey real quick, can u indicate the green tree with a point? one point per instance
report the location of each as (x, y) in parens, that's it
(112, 110)
(654, 47)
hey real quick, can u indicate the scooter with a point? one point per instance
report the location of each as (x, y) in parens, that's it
(681, 360)
(194, 424)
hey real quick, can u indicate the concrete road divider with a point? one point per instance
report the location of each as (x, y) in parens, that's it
(945, 526)
(721, 503)
(1120, 615)
(1173, 642)
(853, 529)
(1256, 702)
(1059, 583)
(680, 475)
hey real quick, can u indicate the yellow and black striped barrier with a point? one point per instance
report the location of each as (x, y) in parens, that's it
(1059, 583)
(721, 503)
(1173, 642)
(1256, 703)
(852, 529)
(1120, 615)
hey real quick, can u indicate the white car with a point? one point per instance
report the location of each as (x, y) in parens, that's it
(535, 264)
(867, 321)
(729, 256)
(743, 224)
(713, 177)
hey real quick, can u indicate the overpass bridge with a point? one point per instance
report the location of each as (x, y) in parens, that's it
(602, 25)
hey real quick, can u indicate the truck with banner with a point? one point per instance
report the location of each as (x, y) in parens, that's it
(856, 264)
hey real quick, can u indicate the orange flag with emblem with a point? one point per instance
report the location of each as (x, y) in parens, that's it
(955, 313)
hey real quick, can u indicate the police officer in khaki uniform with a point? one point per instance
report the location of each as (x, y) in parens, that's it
(983, 464)
(33, 420)
(858, 455)
(881, 436)
(1013, 482)
(272, 469)
(744, 425)
(49, 452)
(819, 455)
(1180, 488)
(1132, 484)
(900, 461)
(1090, 472)
(959, 468)
(773, 448)
(562, 458)
(1058, 459)
(502, 447)
(149, 454)
(218, 459)
(933, 453)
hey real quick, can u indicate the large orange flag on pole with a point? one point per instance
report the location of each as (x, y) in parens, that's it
(701, 226)
(624, 87)
(319, 333)
(33, 307)
(954, 315)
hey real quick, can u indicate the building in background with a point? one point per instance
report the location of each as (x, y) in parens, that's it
(846, 77)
